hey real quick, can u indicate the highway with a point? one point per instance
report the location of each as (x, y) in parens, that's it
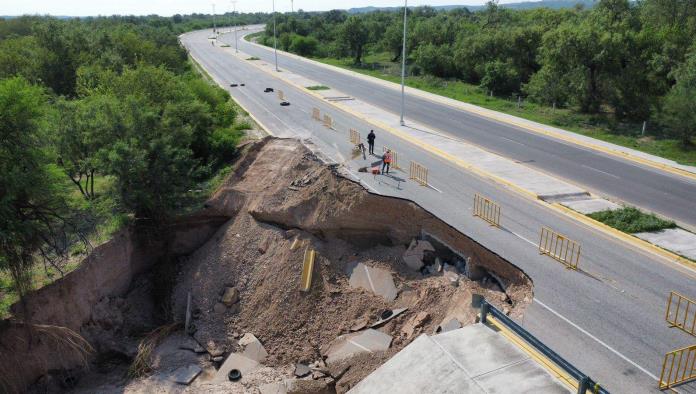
(608, 319)
(670, 195)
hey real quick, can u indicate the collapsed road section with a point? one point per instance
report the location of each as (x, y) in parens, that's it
(217, 306)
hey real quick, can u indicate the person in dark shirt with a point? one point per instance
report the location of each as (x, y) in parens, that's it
(371, 141)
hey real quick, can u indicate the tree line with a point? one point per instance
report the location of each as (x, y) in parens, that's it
(631, 61)
(106, 101)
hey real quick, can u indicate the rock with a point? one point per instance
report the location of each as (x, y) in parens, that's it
(296, 386)
(185, 375)
(219, 308)
(231, 296)
(414, 323)
(438, 264)
(253, 348)
(302, 370)
(317, 375)
(452, 278)
(214, 350)
(218, 359)
(236, 335)
(413, 256)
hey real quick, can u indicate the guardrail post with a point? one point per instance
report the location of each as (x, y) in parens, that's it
(484, 310)
(583, 385)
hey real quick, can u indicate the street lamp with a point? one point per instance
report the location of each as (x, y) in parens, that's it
(234, 11)
(403, 66)
(214, 27)
(275, 40)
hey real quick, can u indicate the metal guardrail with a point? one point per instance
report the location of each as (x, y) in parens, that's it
(585, 383)
(395, 157)
(307, 268)
(354, 137)
(559, 247)
(487, 210)
(328, 121)
(419, 173)
(685, 361)
(316, 114)
(681, 313)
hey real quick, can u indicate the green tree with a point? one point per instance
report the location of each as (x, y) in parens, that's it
(304, 46)
(354, 35)
(500, 78)
(34, 214)
(679, 105)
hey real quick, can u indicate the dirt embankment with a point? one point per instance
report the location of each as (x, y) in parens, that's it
(282, 195)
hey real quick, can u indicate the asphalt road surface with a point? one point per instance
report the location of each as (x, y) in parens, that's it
(670, 195)
(607, 319)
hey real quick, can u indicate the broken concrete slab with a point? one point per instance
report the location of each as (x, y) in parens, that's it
(347, 346)
(235, 361)
(359, 324)
(377, 280)
(230, 296)
(253, 348)
(394, 313)
(302, 370)
(413, 256)
(449, 324)
(185, 375)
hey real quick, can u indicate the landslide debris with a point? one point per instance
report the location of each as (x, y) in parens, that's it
(244, 282)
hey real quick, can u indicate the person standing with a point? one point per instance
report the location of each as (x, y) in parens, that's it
(386, 161)
(371, 141)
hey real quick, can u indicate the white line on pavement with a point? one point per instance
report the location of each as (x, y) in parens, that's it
(611, 349)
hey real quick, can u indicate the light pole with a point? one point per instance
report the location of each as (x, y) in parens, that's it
(214, 27)
(275, 40)
(292, 6)
(403, 66)
(234, 11)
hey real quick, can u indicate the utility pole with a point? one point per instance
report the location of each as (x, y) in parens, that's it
(403, 66)
(275, 39)
(234, 11)
(214, 27)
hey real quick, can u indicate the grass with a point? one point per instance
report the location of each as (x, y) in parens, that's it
(631, 220)
(318, 87)
(600, 127)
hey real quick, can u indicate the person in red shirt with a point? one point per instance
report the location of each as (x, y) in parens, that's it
(386, 161)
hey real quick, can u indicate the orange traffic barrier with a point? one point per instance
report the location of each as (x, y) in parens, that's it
(487, 210)
(419, 173)
(559, 247)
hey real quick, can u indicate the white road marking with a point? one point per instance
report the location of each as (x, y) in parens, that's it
(603, 172)
(594, 338)
(524, 239)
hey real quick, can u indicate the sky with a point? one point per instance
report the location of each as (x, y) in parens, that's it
(171, 7)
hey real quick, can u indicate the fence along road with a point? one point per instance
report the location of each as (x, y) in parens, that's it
(611, 320)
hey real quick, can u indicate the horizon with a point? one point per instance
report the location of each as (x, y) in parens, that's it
(83, 8)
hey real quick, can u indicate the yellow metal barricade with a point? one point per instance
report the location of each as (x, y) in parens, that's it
(354, 137)
(316, 114)
(681, 313)
(328, 121)
(418, 173)
(487, 210)
(281, 95)
(679, 366)
(559, 247)
(307, 268)
(395, 157)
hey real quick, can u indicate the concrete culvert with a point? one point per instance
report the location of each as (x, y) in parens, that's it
(280, 201)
